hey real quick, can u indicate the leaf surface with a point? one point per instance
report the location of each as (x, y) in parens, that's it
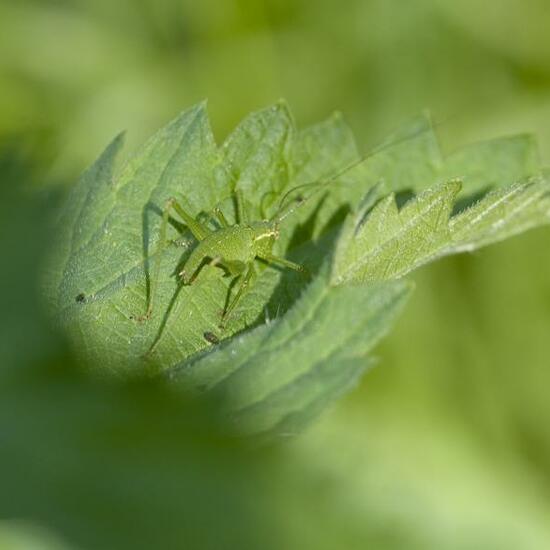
(279, 375)
(358, 224)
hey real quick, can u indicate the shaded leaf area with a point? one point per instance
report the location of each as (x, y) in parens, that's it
(124, 466)
(25, 535)
(280, 375)
(100, 464)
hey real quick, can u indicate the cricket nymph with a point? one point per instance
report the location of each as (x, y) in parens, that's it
(232, 247)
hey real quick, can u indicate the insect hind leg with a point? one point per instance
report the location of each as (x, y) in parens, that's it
(243, 284)
(199, 230)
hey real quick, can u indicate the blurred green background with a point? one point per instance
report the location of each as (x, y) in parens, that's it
(446, 444)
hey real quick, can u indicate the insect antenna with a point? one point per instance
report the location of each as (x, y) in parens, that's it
(287, 206)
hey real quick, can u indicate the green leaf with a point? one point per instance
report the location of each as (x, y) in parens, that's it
(278, 376)
(392, 242)
(501, 214)
(108, 241)
(387, 242)
(494, 163)
(257, 152)
(291, 346)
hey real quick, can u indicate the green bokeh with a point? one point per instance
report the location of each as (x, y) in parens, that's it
(446, 444)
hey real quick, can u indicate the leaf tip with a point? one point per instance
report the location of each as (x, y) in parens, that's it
(198, 109)
(281, 107)
(454, 185)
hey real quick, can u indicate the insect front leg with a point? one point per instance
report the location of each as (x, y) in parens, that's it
(221, 217)
(241, 213)
(198, 230)
(272, 259)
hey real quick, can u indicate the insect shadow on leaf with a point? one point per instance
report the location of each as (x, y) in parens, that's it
(313, 251)
(152, 209)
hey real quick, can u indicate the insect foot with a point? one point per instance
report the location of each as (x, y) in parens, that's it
(223, 319)
(141, 318)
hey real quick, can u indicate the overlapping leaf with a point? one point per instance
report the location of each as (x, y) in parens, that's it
(388, 242)
(276, 377)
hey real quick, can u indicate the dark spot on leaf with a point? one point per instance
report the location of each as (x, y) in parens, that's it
(211, 337)
(81, 298)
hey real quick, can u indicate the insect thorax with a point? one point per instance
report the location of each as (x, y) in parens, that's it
(265, 235)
